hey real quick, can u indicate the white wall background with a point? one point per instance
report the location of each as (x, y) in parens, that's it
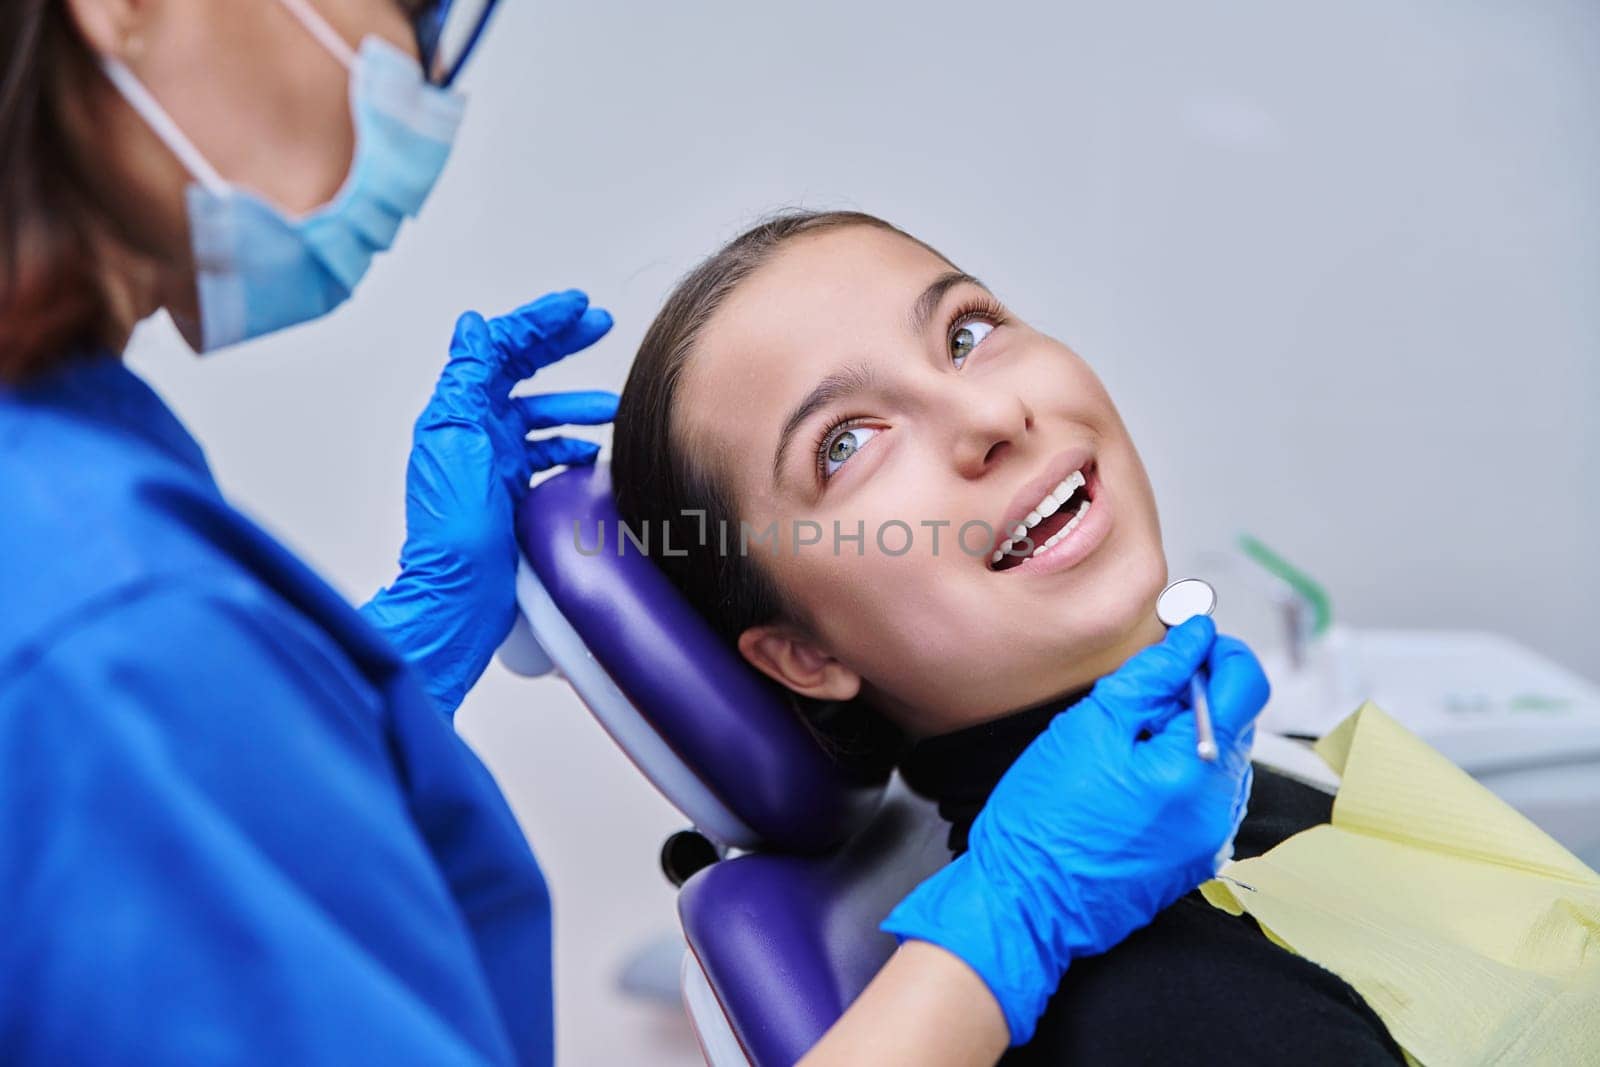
(1339, 264)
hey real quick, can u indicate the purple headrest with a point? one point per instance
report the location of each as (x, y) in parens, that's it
(725, 721)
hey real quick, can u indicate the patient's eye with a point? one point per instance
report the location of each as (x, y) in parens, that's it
(841, 444)
(967, 336)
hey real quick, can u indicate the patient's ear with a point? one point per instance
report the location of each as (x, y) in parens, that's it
(794, 661)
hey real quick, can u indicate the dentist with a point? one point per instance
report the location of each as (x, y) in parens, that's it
(236, 825)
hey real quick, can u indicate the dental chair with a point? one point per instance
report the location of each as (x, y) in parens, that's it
(791, 864)
(782, 936)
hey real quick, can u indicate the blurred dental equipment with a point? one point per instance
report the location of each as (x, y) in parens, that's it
(1525, 726)
(1180, 601)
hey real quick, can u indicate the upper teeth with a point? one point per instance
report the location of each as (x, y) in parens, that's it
(1043, 510)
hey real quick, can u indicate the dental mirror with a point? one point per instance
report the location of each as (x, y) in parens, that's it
(1178, 603)
(1184, 599)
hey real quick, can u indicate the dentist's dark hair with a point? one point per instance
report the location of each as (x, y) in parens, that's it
(655, 478)
(55, 227)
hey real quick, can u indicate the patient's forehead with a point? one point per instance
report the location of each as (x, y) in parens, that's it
(825, 285)
(823, 300)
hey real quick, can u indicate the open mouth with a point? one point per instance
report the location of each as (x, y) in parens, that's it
(1051, 521)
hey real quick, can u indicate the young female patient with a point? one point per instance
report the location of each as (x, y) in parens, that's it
(829, 369)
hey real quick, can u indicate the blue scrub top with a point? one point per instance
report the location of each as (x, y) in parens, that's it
(233, 827)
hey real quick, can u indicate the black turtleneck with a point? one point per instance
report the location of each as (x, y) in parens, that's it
(1195, 986)
(961, 769)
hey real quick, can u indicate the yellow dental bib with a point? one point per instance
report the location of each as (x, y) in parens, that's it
(1472, 934)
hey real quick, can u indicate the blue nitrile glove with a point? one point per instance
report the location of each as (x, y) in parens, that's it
(1092, 831)
(455, 599)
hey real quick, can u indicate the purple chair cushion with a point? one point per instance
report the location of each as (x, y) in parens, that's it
(724, 720)
(787, 942)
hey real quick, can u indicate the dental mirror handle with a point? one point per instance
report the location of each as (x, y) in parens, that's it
(1179, 602)
(1206, 741)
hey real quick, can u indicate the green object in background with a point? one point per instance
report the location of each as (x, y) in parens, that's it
(1539, 702)
(1297, 579)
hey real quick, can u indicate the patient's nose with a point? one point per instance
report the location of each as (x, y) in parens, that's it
(987, 424)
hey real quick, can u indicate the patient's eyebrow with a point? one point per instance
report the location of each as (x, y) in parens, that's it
(854, 378)
(922, 311)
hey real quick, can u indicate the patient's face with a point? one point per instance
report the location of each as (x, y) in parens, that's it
(945, 408)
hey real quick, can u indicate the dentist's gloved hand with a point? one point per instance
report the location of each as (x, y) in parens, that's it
(455, 599)
(1093, 830)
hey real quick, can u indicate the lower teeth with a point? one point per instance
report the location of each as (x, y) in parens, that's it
(1083, 509)
(1072, 524)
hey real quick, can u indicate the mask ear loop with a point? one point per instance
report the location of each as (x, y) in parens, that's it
(155, 116)
(318, 27)
(161, 124)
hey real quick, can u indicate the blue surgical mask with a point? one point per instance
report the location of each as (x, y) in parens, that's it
(259, 270)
